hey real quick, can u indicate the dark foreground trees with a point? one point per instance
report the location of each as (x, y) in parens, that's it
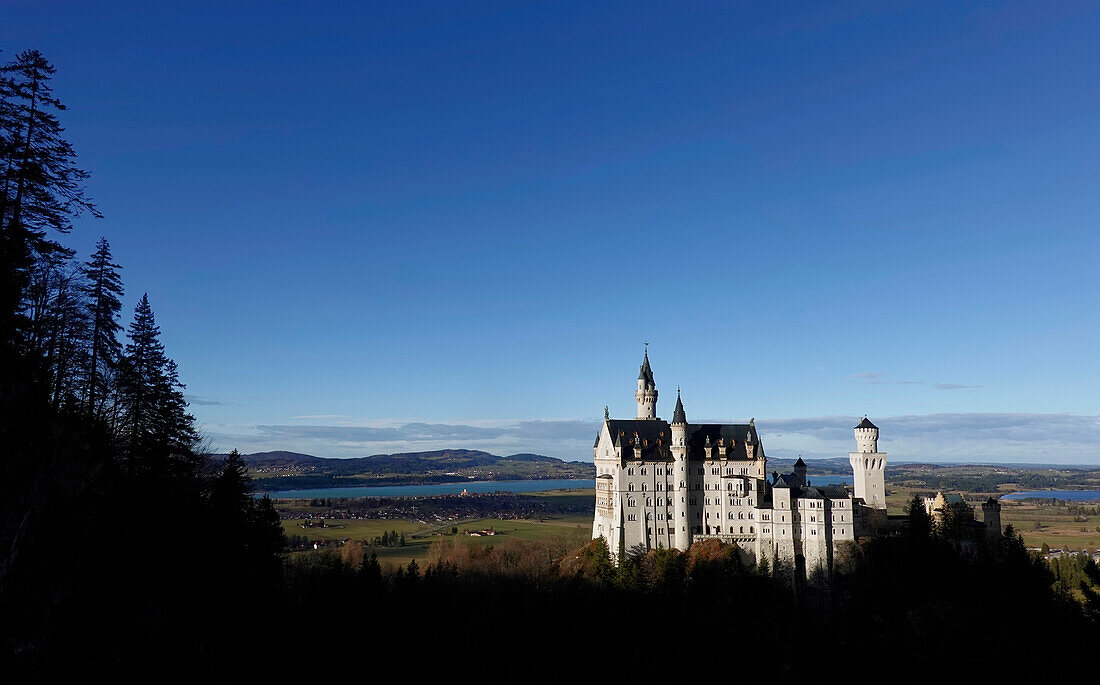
(114, 548)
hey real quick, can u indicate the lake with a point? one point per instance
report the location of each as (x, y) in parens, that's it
(1075, 495)
(434, 489)
(471, 487)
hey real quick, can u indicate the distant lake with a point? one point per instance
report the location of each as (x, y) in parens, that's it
(829, 480)
(434, 489)
(471, 487)
(1075, 495)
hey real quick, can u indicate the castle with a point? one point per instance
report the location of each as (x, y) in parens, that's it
(667, 485)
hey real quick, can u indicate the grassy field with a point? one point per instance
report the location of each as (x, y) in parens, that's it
(419, 535)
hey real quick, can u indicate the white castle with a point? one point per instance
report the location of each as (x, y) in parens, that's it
(666, 485)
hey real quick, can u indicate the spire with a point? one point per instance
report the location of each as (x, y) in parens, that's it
(679, 416)
(645, 373)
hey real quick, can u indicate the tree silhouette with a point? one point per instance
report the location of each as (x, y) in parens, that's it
(41, 188)
(104, 292)
(155, 423)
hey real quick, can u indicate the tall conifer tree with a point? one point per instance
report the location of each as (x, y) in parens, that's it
(41, 188)
(104, 291)
(155, 422)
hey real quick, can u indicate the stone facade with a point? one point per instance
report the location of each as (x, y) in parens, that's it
(668, 484)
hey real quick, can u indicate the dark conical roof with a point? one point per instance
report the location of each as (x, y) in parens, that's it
(679, 416)
(866, 424)
(644, 372)
(800, 463)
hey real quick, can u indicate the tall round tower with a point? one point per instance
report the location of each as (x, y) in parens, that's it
(682, 524)
(868, 466)
(646, 395)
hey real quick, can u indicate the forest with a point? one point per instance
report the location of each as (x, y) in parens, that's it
(125, 546)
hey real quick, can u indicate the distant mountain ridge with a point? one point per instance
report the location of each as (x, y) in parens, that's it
(283, 469)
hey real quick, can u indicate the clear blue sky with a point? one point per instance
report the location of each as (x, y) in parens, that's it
(376, 227)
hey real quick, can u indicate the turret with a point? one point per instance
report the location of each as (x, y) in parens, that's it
(679, 449)
(991, 515)
(866, 436)
(800, 471)
(868, 466)
(646, 394)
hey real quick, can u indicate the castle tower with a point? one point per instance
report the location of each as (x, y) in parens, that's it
(646, 395)
(800, 471)
(682, 525)
(868, 465)
(991, 515)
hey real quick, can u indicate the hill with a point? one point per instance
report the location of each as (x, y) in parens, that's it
(285, 470)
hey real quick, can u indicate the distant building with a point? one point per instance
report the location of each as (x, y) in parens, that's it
(668, 484)
(956, 519)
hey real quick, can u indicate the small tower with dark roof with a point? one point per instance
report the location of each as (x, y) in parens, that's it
(800, 471)
(646, 394)
(866, 436)
(679, 448)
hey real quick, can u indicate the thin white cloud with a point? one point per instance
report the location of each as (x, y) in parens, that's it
(973, 437)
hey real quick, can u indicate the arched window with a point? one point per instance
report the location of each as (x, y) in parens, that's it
(630, 487)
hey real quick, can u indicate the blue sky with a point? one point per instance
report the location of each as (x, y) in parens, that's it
(379, 227)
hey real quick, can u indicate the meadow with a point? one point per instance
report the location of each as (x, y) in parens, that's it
(419, 535)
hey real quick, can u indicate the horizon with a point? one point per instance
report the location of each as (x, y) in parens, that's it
(467, 220)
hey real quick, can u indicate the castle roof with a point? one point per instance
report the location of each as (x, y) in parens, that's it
(800, 463)
(645, 373)
(654, 437)
(865, 423)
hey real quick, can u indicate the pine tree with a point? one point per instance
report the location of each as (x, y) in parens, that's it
(920, 523)
(104, 292)
(41, 188)
(155, 422)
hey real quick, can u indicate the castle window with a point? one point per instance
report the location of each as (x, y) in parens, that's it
(750, 529)
(632, 503)
(731, 514)
(644, 486)
(649, 502)
(630, 487)
(630, 471)
(693, 501)
(631, 517)
(718, 529)
(643, 470)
